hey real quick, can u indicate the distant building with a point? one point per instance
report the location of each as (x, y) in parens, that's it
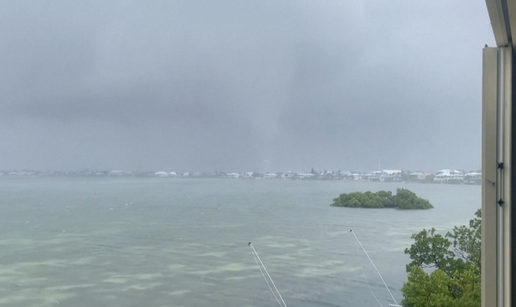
(116, 173)
(390, 175)
(233, 175)
(473, 178)
(374, 176)
(269, 175)
(449, 176)
(248, 175)
(161, 174)
(305, 175)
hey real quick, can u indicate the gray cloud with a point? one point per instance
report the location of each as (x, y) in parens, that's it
(205, 85)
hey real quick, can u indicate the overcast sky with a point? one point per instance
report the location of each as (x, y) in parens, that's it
(243, 85)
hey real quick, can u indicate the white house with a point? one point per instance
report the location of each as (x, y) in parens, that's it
(233, 175)
(374, 176)
(473, 178)
(449, 176)
(442, 176)
(305, 175)
(288, 175)
(390, 175)
(269, 175)
(161, 174)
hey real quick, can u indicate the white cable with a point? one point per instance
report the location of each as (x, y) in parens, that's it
(265, 269)
(368, 285)
(265, 278)
(374, 266)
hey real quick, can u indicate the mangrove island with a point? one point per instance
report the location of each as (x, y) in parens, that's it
(404, 199)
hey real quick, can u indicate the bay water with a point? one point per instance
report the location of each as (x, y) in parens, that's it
(184, 242)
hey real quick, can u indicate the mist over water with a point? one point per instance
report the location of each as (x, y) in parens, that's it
(173, 242)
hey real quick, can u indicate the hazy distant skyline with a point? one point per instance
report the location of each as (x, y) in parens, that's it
(228, 85)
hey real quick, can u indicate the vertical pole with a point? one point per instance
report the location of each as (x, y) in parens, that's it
(500, 98)
(489, 173)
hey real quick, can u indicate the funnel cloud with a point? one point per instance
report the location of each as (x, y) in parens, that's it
(234, 85)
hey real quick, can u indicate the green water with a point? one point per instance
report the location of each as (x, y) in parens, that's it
(183, 242)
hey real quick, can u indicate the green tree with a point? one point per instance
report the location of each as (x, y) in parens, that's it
(455, 261)
(467, 240)
(453, 252)
(437, 289)
(404, 199)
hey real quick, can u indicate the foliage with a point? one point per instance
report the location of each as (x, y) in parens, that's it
(455, 258)
(437, 289)
(404, 199)
(467, 240)
(452, 252)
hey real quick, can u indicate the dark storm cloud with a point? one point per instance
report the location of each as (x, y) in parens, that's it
(205, 85)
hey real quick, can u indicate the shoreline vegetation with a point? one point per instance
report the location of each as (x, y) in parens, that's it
(403, 200)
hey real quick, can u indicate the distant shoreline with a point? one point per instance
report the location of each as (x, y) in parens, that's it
(151, 175)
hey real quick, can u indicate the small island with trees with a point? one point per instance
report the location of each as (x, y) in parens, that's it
(404, 199)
